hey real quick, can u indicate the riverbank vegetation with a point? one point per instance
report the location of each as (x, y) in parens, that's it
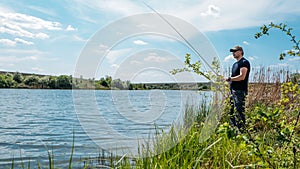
(271, 139)
(36, 81)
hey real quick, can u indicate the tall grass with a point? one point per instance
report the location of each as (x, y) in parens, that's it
(271, 139)
(265, 85)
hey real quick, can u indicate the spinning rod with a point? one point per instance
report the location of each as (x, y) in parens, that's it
(186, 41)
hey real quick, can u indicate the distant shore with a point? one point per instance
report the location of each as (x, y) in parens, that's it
(17, 80)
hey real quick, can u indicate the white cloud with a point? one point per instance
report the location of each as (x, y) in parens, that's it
(21, 56)
(245, 43)
(140, 42)
(152, 75)
(41, 36)
(10, 52)
(7, 29)
(228, 58)
(46, 11)
(17, 59)
(7, 42)
(78, 38)
(123, 7)
(135, 62)
(18, 40)
(283, 64)
(25, 26)
(4, 9)
(159, 59)
(37, 69)
(253, 13)
(70, 28)
(115, 66)
(212, 11)
(294, 58)
(252, 58)
(113, 55)
(280, 65)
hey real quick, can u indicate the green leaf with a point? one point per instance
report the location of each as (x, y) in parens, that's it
(282, 55)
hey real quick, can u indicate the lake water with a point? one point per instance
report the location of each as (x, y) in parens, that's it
(33, 122)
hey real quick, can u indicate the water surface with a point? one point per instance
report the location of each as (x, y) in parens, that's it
(33, 122)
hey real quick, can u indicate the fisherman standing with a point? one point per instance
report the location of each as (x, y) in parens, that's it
(238, 87)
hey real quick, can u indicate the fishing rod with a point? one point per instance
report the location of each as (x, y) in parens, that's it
(189, 44)
(217, 113)
(186, 41)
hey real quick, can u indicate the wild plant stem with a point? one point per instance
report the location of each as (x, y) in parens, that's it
(203, 152)
(73, 147)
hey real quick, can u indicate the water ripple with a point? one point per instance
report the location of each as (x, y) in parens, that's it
(33, 122)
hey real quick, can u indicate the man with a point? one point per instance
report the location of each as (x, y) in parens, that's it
(238, 87)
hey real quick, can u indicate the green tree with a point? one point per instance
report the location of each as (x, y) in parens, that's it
(52, 82)
(43, 82)
(32, 81)
(3, 82)
(130, 87)
(64, 82)
(9, 80)
(17, 77)
(103, 82)
(108, 80)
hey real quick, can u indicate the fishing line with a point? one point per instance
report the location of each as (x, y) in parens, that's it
(215, 111)
(186, 41)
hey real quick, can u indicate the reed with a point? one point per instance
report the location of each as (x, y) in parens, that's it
(265, 85)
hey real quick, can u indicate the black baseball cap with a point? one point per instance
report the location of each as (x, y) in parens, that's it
(236, 48)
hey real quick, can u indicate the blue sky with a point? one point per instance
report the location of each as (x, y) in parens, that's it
(49, 37)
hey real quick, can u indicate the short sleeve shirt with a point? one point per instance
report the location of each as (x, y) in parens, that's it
(243, 84)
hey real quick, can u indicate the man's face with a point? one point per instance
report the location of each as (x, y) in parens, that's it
(236, 54)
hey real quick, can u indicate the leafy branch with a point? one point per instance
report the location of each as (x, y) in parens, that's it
(264, 30)
(213, 75)
(189, 67)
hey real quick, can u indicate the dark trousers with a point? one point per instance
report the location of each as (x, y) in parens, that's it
(237, 116)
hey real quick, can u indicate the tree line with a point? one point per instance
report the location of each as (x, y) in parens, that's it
(20, 80)
(35, 81)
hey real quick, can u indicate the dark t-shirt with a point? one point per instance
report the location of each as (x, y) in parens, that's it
(240, 85)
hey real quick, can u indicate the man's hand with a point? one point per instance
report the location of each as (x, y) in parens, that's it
(228, 79)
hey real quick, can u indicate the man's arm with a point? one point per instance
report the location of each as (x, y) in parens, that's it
(241, 76)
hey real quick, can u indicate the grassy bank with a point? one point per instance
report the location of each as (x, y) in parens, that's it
(271, 139)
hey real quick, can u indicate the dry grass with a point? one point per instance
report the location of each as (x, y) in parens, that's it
(265, 85)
